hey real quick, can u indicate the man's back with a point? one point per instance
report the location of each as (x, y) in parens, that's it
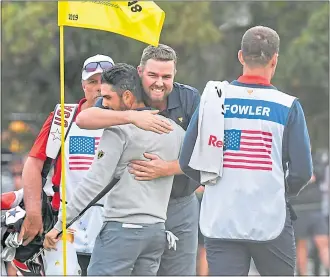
(257, 142)
(132, 201)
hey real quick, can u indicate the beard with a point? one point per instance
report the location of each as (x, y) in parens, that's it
(122, 106)
(153, 96)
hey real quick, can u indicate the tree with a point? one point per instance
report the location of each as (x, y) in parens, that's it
(34, 51)
(206, 36)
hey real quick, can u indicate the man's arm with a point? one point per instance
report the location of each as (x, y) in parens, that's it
(99, 175)
(297, 150)
(31, 177)
(195, 103)
(173, 168)
(154, 168)
(96, 118)
(32, 184)
(188, 147)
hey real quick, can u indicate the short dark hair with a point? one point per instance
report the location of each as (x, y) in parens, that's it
(259, 44)
(124, 77)
(161, 52)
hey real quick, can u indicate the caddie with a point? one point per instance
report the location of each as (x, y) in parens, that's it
(248, 144)
(80, 147)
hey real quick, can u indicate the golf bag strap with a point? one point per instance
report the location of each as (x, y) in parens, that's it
(54, 137)
(54, 144)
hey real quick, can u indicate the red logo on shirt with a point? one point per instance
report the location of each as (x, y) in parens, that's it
(213, 141)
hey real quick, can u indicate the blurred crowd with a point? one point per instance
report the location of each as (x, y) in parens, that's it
(11, 170)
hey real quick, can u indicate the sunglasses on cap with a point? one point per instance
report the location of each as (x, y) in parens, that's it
(91, 67)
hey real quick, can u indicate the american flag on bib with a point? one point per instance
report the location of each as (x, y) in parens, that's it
(82, 151)
(248, 149)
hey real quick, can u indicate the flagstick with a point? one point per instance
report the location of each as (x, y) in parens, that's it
(63, 190)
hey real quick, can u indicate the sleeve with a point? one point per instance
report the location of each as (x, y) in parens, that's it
(99, 102)
(195, 103)
(99, 175)
(297, 150)
(188, 147)
(38, 149)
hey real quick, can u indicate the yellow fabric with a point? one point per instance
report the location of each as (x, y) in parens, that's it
(140, 20)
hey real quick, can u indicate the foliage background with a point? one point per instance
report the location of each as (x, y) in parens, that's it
(206, 36)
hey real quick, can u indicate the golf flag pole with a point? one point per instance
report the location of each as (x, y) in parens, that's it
(139, 20)
(63, 188)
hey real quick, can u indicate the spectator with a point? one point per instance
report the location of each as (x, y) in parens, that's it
(310, 224)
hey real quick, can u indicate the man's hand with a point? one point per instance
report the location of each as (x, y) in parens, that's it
(147, 120)
(32, 226)
(51, 239)
(148, 170)
(313, 179)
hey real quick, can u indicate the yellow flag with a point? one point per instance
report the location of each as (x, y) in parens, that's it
(140, 20)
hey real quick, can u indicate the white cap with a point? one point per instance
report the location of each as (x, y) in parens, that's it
(97, 58)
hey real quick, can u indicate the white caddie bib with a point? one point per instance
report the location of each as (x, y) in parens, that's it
(54, 138)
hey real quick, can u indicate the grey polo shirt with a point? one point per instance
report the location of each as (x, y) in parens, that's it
(129, 200)
(181, 105)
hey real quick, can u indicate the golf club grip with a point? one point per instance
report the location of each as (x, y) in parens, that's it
(93, 202)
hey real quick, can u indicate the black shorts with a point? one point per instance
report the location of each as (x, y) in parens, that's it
(309, 224)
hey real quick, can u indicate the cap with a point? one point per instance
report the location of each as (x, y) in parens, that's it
(97, 58)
